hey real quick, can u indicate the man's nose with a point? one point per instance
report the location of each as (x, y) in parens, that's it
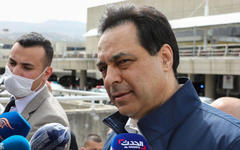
(16, 70)
(113, 76)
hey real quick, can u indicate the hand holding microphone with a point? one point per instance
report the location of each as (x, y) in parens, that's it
(129, 141)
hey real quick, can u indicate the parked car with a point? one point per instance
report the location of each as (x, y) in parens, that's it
(99, 88)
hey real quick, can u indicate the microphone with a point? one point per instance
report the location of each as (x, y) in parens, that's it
(12, 123)
(129, 141)
(51, 136)
(15, 142)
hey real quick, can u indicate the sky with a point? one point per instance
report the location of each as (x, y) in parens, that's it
(37, 11)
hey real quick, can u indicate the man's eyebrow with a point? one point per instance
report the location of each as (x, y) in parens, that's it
(11, 59)
(27, 64)
(116, 57)
(24, 64)
(119, 55)
(100, 63)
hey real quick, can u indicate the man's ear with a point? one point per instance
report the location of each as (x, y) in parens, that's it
(166, 55)
(48, 73)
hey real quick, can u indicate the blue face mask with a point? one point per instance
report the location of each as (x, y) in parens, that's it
(18, 85)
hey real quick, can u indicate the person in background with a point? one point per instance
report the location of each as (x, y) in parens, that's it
(25, 78)
(92, 142)
(138, 57)
(230, 105)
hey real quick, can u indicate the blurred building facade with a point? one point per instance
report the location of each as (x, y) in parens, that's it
(209, 54)
(209, 50)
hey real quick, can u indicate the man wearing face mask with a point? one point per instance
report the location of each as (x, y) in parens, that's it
(26, 74)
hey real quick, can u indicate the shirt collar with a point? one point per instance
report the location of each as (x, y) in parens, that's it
(131, 126)
(116, 121)
(23, 102)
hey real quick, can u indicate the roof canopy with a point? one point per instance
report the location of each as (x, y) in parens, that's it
(206, 21)
(195, 22)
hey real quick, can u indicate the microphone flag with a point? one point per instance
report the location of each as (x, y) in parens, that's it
(12, 123)
(129, 141)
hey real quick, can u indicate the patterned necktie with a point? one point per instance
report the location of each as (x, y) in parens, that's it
(10, 104)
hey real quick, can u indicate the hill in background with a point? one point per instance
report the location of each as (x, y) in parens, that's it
(70, 31)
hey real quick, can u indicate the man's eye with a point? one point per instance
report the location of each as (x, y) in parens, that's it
(102, 68)
(27, 68)
(12, 63)
(123, 61)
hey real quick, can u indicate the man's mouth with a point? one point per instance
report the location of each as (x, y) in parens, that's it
(120, 95)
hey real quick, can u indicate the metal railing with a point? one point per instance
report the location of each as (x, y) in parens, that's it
(93, 97)
(76, 55)
(65, 94)
(78, 92)
(184, 51)
(210, 50)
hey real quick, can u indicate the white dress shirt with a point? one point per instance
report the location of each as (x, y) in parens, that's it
(23, 102)
(131, 126)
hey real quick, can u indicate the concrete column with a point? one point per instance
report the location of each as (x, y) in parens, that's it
(210, 82)
(191, 77)
(238, 82)
(205, 39)
(83, 79)
(60, 49)
(73, 84)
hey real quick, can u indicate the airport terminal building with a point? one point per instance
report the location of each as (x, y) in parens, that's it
(208, 35)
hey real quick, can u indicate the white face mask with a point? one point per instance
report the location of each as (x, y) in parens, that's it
(17, 85)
